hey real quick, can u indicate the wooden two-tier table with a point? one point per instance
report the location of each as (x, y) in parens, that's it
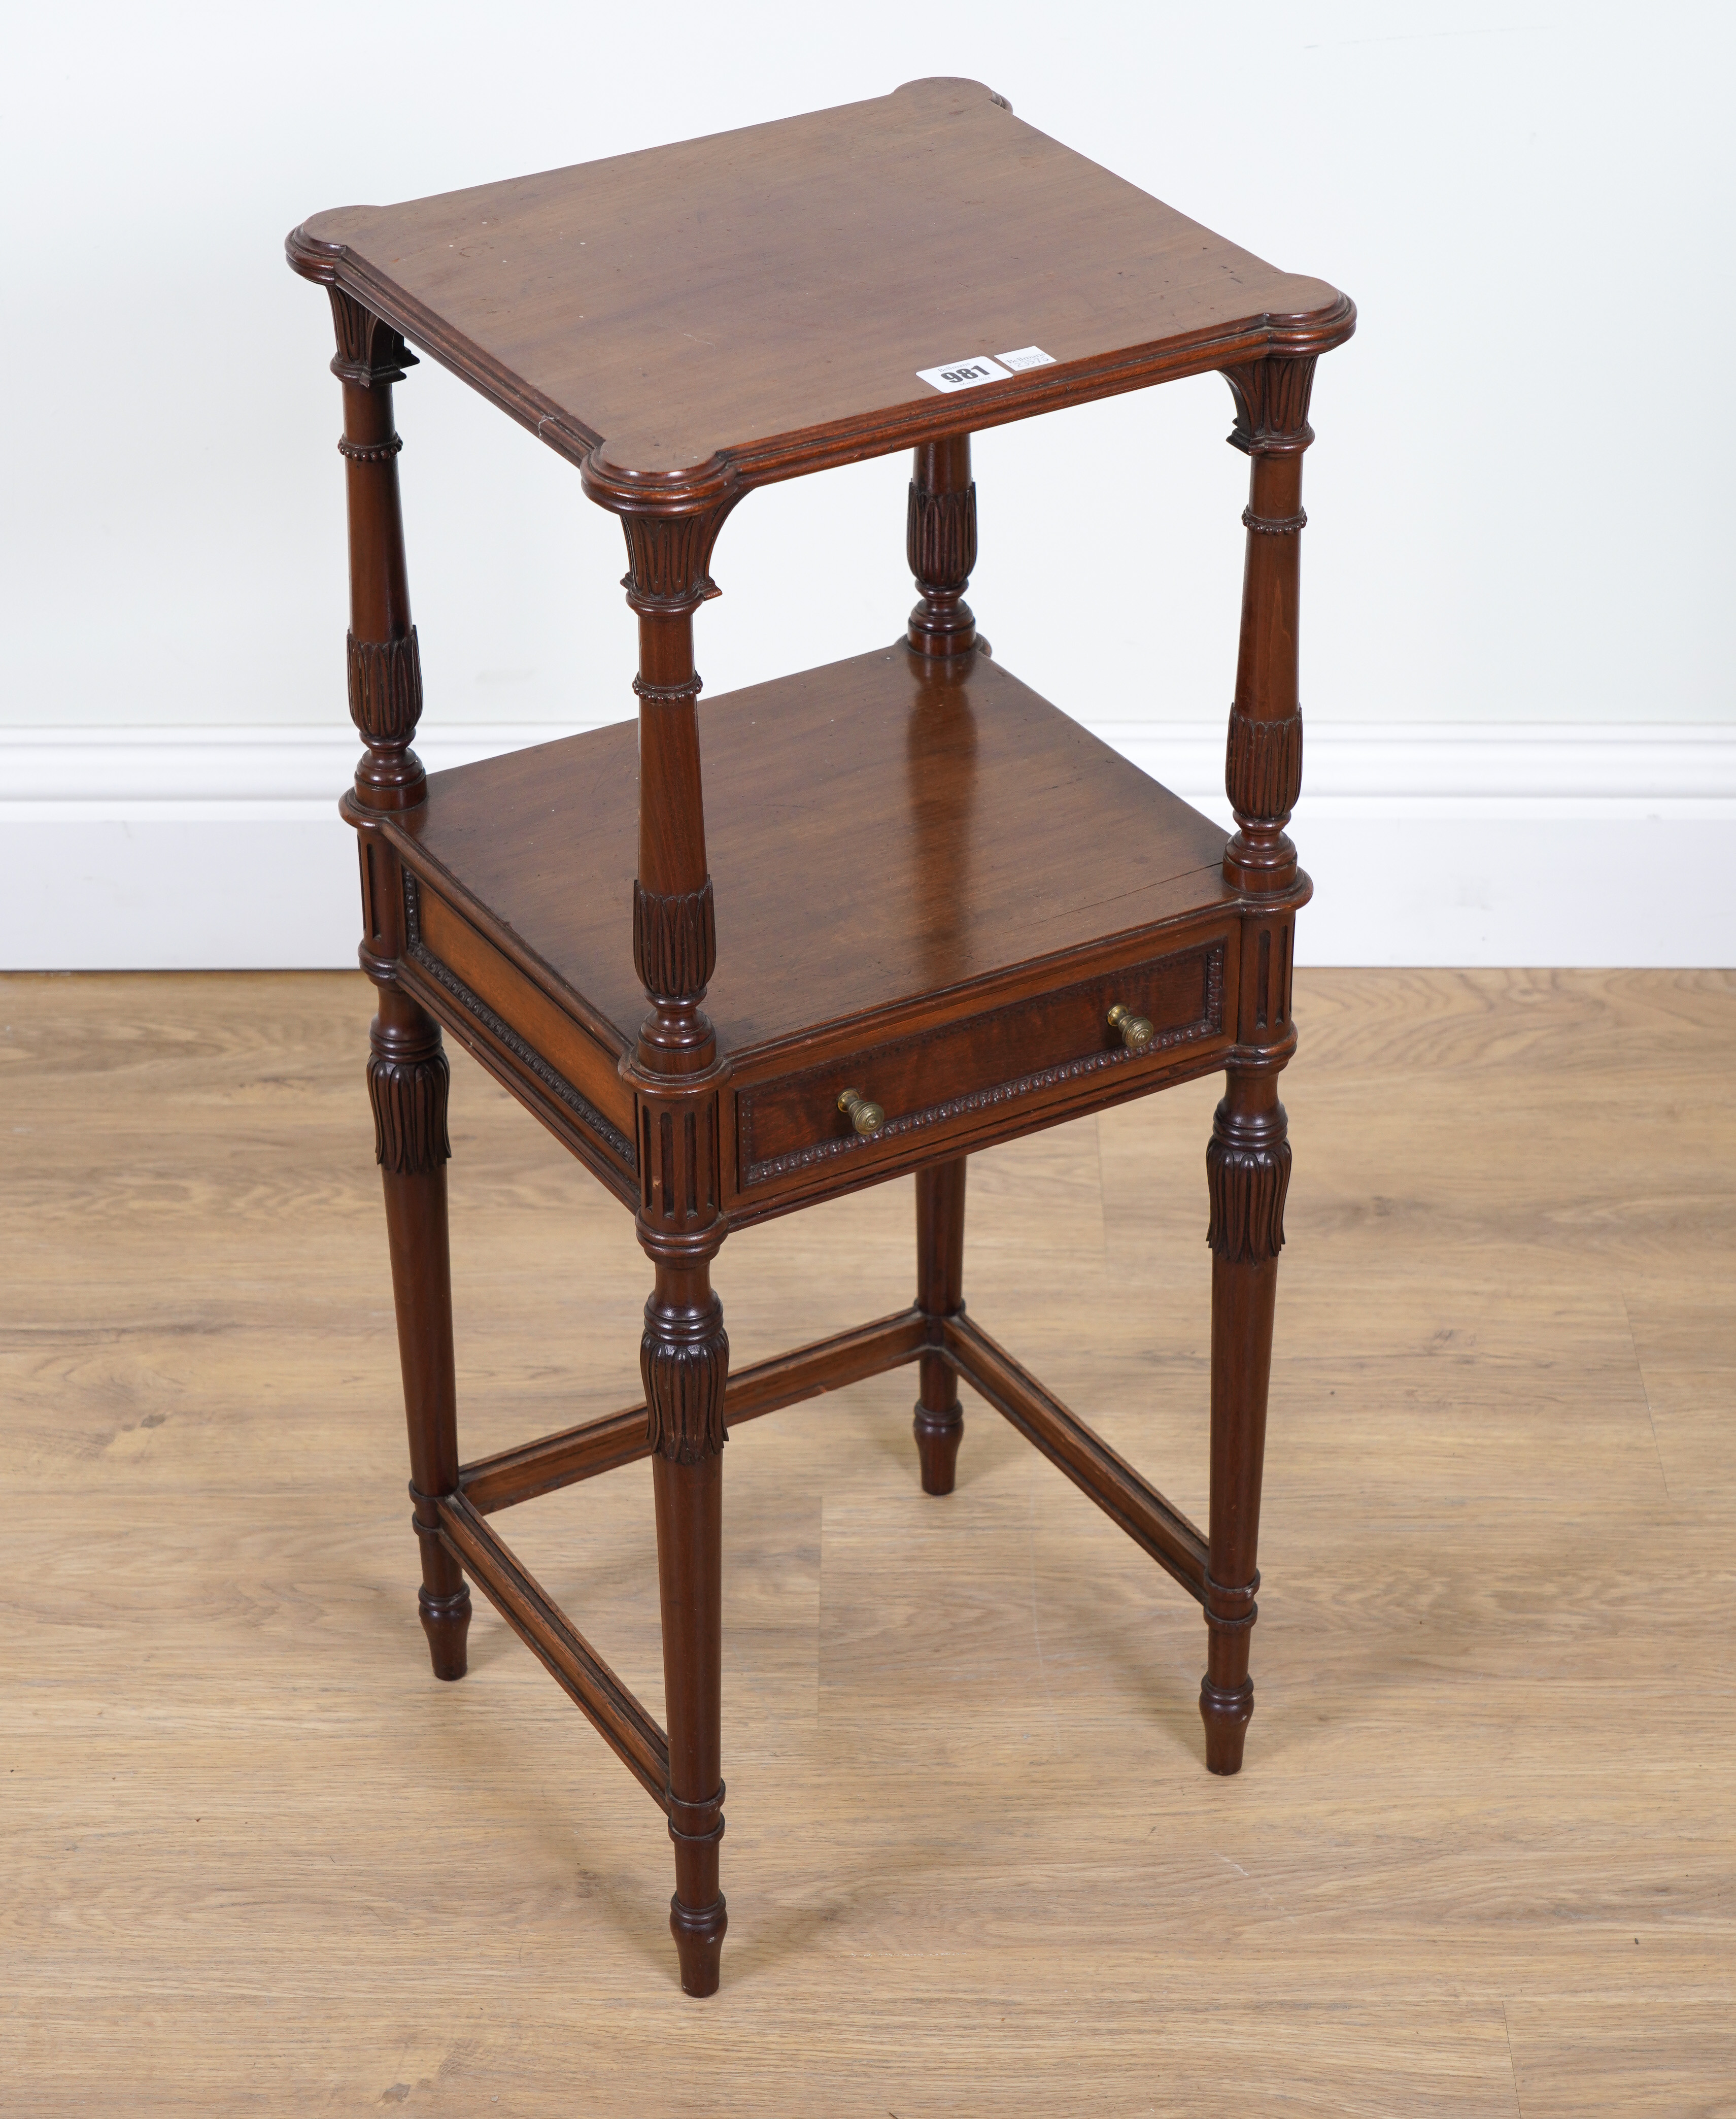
(854, 924)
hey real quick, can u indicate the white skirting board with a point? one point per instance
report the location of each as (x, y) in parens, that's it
(159, 849)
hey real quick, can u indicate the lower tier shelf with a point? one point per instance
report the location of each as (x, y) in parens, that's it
(931, 886)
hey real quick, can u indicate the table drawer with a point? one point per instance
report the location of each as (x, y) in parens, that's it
(946, 1081)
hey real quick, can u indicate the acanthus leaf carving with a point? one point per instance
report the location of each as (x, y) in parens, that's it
(1248, 1175)
(684, 1380)
(1271, 405)
(369, 349)
(940, 537)
(385, 688)
(668, 557)
(1263, 766)
(409, 1097)
(674, 942)
(940, 543)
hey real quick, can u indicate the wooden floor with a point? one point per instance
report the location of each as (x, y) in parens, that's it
(1483, 1857)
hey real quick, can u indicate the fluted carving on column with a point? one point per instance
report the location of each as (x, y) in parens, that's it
(383, 658)
(678, 1171)
(668, 556)
(1263, 766)
(1271, 406)
(940, 543)
(684, 1379)
(674, 942)
(674, 926)
(1262, 769)
(410, 1096)
(384, 687)
(940, 538)
(1247, 1174)
(369, 349)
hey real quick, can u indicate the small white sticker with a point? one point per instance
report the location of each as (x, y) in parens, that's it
(1027, 356)
(964, 374)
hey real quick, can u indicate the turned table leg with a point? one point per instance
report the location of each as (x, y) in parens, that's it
(685, 1358)
(407, 1084)
(677, 1073)
(1248, 1166)
(407, 1074)
(940, 543)
(1248, 1161)
(939, 1421)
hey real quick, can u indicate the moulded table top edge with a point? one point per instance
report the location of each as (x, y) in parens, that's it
(740, 461)
(797, 454)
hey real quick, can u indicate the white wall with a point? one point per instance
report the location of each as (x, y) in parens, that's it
(1519, 502)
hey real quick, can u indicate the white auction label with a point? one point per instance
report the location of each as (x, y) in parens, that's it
(965, 374)
(1027, 356)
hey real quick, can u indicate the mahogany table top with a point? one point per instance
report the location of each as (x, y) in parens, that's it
(879, 831)
(762, 303)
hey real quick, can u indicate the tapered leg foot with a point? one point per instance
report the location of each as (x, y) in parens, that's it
(407, 1080)
(1248, 1167)
(690, 1573)
(447, 1622)
(1226, 1715)
(937, 1437)
(699, 1944)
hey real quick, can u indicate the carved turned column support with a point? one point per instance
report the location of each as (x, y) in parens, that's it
(384, 670)
(677, 1075)
(1263, 759)
(1247, 1166)
(684, 1360)
(1247, 1162)
(674, 930)
(940, 542)
(407, 1085)
(1247, 1170)
(408, 1079)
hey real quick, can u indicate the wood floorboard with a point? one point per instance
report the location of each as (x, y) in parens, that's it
(1483, 1856)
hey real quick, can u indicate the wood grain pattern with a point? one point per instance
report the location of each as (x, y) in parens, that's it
(681, 306)
(545, 840)
(944, 1082)
(1482, 1858)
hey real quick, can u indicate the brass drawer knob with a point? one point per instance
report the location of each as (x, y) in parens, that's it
(868, 1119)
(1137, 1034)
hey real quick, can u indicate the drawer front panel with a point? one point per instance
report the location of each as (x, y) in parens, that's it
(540, 1040)
(945, 1080)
